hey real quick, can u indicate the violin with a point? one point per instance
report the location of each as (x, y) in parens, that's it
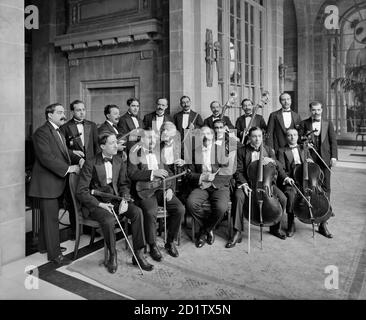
(309, 177)
(266, 209)
(146, 189)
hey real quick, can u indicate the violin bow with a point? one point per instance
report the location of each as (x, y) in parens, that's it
(189, 130)
(322, 160)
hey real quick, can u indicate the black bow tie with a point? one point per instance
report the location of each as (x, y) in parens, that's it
(79, 121)
(316, 120)
(132, 115)
(159, 115)
(186, 112)
(286, 110)
(254, 149)
(291, 147)
(247, 116)
(107, 159)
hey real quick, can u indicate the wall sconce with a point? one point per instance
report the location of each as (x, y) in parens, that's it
(212, 55)
(282, 69)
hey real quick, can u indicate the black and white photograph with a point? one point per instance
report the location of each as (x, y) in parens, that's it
(195, 153)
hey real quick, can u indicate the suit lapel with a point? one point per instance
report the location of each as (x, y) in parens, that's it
(87, 130)
(74, 131)
(289, 156)
(116, 166)
(323, 130)
(180, 121)
(191, 117)
(248, 158)
(280, 119)
(62, 146)
(100, 169)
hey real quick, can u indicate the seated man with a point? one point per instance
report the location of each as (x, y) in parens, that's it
(107, 173)
(209, 184)
(246, 156)
(147, 171)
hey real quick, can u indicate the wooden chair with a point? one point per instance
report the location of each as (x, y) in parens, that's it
(81, 221)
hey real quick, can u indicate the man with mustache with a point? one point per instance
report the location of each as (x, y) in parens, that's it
(154, 120)
(111, 112)
(187, 118)
(280, 121)
(49, 178)
(242, 123)
(216, 114)
(324, 141)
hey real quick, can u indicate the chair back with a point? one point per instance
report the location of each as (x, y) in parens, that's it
(73, 183)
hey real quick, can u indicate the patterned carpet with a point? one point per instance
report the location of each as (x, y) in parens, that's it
(291, 269)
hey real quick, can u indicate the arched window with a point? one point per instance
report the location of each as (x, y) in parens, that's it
(347, 53)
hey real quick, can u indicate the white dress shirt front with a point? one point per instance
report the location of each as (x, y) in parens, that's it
(287, 119)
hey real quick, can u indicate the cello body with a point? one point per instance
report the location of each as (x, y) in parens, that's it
(308, 176)
(266, 209)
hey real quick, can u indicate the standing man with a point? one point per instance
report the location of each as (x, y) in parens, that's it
(81, 134)
(155, 119)
(111, 112)
(216, 115)
(108, 173)
(187, 118)
(82, 139)
(49, 178)
(280, 121)
(131, 121)
(324, 141)
(242, 123)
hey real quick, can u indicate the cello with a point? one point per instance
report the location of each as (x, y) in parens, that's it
(266, 209)
(311, 204)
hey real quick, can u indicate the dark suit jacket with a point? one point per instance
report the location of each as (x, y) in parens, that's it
(218, 160)
(244, 159)
(106, 127)
(328, 139)
(178, 121)
(209, 122)
(258, 121)
(138, 169)
(286, 158)
(125, 124)
(51, 164)
(93, 176)
(276, 129)
(150, 117)
(70, 130)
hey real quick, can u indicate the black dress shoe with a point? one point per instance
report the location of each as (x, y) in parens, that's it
(210, 237)
(236, 239)
(278, 234)
(62, 249)
(112, 263)
(291, 229)
(61, 261)
(155, 253)
(200, 241)
(142, 261)
(171, 249)
(323, 230)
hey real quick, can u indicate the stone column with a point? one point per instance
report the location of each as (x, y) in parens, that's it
(12, 136)
(189, 20)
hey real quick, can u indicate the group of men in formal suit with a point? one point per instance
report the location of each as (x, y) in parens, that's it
(125, 154)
